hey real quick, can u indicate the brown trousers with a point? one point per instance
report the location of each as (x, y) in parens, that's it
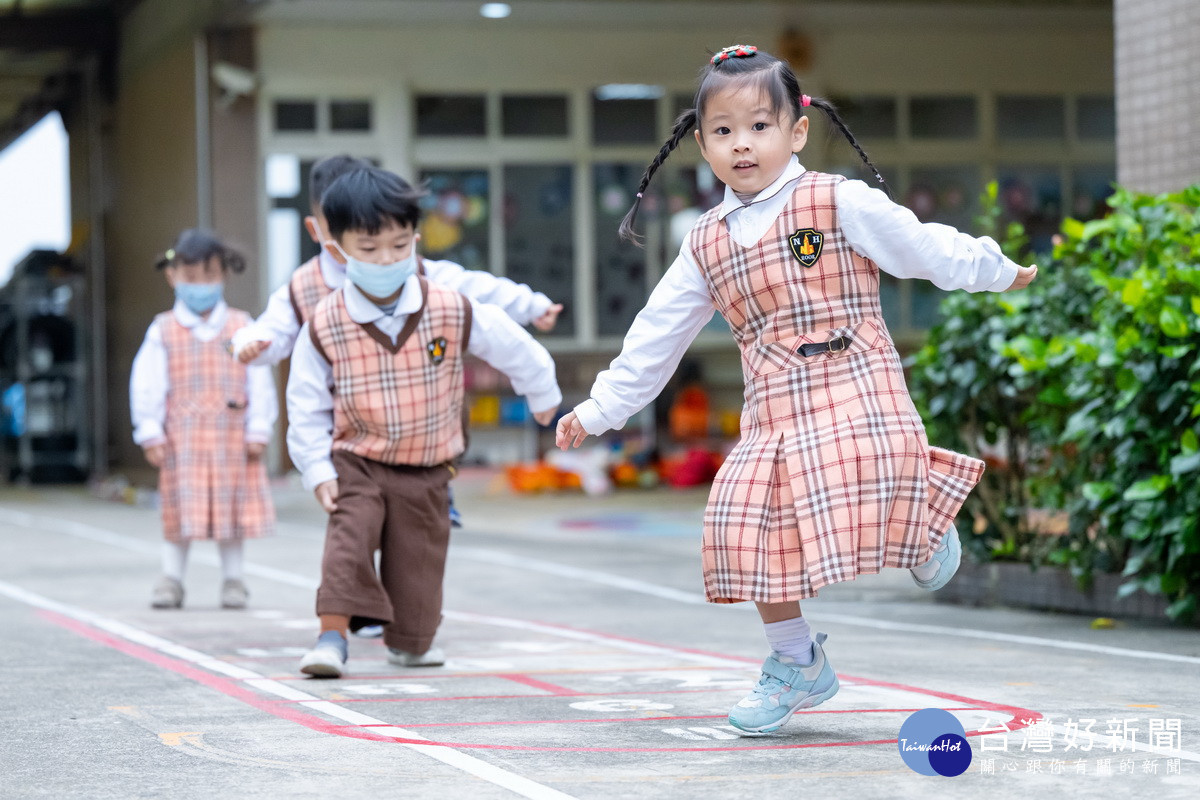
(400, 511)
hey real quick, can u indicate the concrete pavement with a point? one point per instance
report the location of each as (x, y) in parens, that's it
(583, 663)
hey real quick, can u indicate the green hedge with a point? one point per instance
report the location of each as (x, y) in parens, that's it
(1086, 387)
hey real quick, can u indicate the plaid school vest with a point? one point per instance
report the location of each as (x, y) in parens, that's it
(307, 288)
(397, 403)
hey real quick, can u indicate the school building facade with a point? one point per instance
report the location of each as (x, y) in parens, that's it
(531, 131)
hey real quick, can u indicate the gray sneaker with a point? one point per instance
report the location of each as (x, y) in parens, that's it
(234, 594)
(433, 657)
(168, 593)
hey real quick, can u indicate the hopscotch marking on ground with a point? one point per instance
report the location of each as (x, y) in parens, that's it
(1021, 717)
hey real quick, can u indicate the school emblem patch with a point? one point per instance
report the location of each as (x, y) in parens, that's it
(806, 245)
(437, 350)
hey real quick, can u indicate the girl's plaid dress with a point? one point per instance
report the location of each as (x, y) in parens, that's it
(209, 488)
(833, 476)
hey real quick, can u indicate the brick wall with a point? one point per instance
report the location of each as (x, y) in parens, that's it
(1158, 93)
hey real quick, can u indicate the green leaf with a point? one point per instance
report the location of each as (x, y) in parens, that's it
(1096, 226)
(1196, 304)
(1173, 322)
(1148, 489)
(1185, 463)
(1098, 491)
(1072, 228)
(1133, 293)
(1189, 443)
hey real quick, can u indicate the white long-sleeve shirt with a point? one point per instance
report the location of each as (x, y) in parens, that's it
(494, 338)
(279, 325)
(888, 234)
(149, 384)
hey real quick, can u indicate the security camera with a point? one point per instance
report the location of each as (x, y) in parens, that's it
(234, 81)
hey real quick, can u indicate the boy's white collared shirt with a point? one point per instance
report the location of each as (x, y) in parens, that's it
(149, 383)
(495, 338)
(885, 232)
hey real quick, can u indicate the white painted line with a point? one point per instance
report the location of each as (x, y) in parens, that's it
(566, 571)
(598, 638)
(993, 636)
(454, 758)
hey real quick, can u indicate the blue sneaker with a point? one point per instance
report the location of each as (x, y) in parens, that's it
(948, 554)
(328, 658)
(784, 688)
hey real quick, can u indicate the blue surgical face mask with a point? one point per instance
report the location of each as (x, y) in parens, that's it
(379, 280)
(200, 298)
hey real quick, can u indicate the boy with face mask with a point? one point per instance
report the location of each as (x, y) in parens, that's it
(375, 407)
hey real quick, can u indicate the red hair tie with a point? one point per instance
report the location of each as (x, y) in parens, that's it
(735, 51)
(805, 100)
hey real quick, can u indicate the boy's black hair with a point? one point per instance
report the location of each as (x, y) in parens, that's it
(366, 199)
(324, 172)
(196, 246)
(758, 69)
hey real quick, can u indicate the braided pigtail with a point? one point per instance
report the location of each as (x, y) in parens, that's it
(684, 124)
(831, 111)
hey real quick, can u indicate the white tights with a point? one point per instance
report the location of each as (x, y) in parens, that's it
(174, 558)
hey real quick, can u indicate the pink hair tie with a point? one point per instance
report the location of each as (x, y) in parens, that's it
(639, 195)
(805, 100)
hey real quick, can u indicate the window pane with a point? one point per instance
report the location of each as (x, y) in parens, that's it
(943, 118)
(350, 115)
(451, 115)
(868, 117)
(1090, 187)
(620, 266)
(949, 195)
(539, 242)
(624, 121)
(1095, 118)
(455, 224)
(295, 115)
(1032, 195)
(534, 115)
(1019, 118)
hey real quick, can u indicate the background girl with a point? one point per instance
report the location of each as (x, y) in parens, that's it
(202, 419)
(833, 476)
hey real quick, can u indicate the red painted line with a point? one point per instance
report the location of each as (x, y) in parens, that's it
(224, 685)
(375, 699)
(536, 684)
(1021, 717)
(593, 720)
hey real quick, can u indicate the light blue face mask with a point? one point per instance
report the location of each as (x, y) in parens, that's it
(200, 298)
(379, 280)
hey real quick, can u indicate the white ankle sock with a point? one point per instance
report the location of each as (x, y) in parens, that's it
(231, 559)
(174, 559)
(791, 637)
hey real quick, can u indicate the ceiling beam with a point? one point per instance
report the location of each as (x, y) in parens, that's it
(76, 30)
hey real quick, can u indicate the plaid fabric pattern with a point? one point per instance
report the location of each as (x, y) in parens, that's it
(397, 403)
(833, 476)
(209, 488)
(307, 288)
